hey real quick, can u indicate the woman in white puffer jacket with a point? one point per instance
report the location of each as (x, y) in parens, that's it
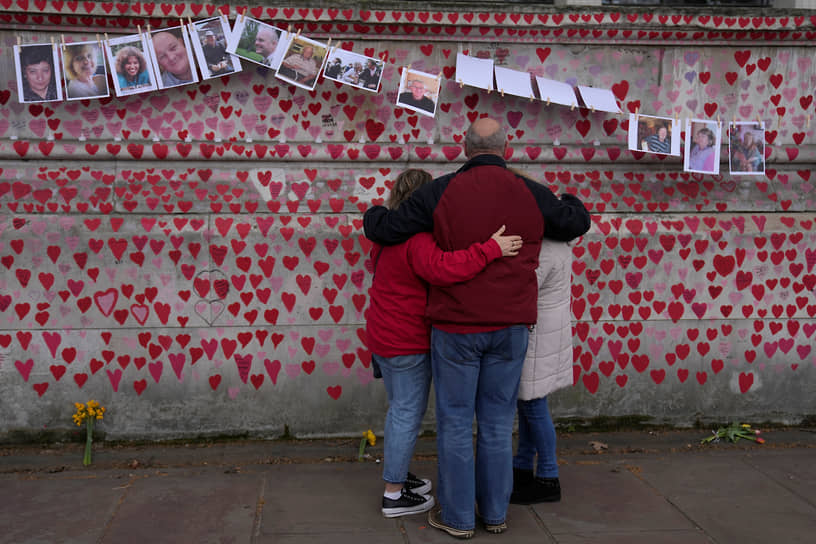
(547, 368)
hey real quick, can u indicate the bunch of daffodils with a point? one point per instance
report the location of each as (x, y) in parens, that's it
(368, 438)
(88, 414)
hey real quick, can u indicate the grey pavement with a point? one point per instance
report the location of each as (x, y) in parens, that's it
(624, 487)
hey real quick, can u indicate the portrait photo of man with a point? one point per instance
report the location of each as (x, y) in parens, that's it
(257, 42)
(209, 39)
(418, 92)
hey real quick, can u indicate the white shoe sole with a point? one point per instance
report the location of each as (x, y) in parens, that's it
(408, 510)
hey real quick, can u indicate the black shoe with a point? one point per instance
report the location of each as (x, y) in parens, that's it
(408, 503)
(522, 478)
(420, 486)
(435, 520)
(539, 490)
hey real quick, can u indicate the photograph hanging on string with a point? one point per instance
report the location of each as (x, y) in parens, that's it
(302, 62)
(85, 70)
(132, 72)
(746, 148)
(172, 57)
(703, 143)
(38, 73)
(257, 42)
(651, 134)
(209, 40)
(418, 91)
(354, 69)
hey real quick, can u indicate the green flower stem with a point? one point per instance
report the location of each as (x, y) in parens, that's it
(89, 425)
(362, 448)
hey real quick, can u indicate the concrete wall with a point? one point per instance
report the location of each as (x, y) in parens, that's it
(217, 285)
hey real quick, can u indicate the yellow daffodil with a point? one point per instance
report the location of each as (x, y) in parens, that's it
(371, 437)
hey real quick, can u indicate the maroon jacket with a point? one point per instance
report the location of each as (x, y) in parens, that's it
(466, 207)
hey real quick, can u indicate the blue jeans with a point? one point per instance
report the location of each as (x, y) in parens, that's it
(477, 374)
(536, 436)
(407, 379)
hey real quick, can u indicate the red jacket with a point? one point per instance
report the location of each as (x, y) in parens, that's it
(395, 319)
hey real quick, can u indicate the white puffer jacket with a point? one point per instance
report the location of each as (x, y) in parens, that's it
(548, 365)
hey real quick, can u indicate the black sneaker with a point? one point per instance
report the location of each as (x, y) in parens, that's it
(408, 503)
(536, 491)
(420, 486)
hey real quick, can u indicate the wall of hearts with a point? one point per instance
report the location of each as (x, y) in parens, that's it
(193, 258)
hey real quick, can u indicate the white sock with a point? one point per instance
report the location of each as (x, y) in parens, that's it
(393, 495)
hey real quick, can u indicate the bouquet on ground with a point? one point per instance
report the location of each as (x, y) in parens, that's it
(368, 438)
(733, 433)
(88, 413)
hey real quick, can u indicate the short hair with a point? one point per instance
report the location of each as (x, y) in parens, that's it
(406, 183)
(493, 143)
(36, 54)
(124, 54)
(70, 53)
(415, 81)
(709, 134)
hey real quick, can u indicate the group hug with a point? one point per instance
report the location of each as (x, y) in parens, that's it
(471, 289)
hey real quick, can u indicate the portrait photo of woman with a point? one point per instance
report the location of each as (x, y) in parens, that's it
(133, 73)
(85, 75)
(702, 147)
(38, 73)
(172, 57)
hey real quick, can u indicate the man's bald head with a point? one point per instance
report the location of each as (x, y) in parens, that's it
(485, 136)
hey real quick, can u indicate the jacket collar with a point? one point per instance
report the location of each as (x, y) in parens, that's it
(483, 160)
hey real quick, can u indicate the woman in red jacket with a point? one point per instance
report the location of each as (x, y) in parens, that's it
(398, 335)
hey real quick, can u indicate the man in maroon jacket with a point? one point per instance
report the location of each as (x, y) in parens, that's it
(481, 326)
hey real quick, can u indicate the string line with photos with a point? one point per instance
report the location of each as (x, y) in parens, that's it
(167, 58)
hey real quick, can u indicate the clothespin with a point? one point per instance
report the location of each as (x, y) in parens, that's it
(548, 100)
(19, 41)
(808, 121)
(637, 113)
(181, 23)
(461, 84)
(138, 27)
(189, 21)
(107, 40)
(572, 107)
(148, 29)
(532, 98)
(502, 93)
(593, 109)
(243, 14)
(98, 41)
(225, 18)
(62, 37)
(298, 33)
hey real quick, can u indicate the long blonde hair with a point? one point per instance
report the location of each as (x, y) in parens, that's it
(406, 183)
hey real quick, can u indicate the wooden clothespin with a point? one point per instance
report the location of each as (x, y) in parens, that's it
(181, 23)
(637, 113)
(461, 84)
(298, 33)
(548, 100)
(148, 29)
(62, 43)
(243, 14)
(138, 27)
(593, 109)
(189, 21)
(502, 93)
(808, 121)
(19, 41)
(572, 107)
